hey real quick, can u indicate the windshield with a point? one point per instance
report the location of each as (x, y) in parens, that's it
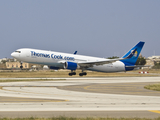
(18, 51)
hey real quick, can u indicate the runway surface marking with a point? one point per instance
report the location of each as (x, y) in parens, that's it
(20, 99)
(114, 88)
(20, 90)
(109, 95)
(155, 111)
(26, 99)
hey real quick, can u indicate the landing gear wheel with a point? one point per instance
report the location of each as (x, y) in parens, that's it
(72, 73)
(80, 74)
(21, 66)
(83, 73)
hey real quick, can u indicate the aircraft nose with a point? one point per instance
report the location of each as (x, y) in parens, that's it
(12, 54)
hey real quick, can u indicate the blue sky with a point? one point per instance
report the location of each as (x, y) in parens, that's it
(101, 28)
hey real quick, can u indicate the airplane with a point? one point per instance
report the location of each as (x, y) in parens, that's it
(59, 60)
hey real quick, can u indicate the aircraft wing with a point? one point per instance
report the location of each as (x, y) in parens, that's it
(107, 61)
(101, 62)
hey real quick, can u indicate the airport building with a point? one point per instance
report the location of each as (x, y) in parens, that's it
(152, 60)
(17, 65)
(14, 64)
(2, 66)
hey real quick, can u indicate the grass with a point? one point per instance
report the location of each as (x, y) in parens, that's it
(27, 80)
(155, 87)
(51, 74)
(72, 118)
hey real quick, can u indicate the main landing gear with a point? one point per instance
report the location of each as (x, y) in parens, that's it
(80, 74)
(72, 73)
(83, 73)
(21, 66)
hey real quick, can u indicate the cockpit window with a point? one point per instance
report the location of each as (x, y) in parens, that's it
(18, 51)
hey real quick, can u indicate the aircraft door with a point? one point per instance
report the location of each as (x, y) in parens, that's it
(28, 54)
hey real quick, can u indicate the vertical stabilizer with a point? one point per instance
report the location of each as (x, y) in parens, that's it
(133, 54)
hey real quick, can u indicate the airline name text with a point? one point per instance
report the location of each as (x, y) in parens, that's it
(43, 55)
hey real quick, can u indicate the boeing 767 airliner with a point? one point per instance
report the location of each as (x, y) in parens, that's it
(59, 60)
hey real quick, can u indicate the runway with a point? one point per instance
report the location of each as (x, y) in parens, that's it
(81, 97)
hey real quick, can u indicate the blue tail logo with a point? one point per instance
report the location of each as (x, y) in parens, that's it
(133, 54)
(136, 54)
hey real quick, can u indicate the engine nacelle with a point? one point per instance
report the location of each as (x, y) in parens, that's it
(71, 65)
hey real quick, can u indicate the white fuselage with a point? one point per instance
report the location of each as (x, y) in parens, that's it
(57, 59)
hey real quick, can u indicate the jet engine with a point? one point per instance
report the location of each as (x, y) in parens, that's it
(71, 65)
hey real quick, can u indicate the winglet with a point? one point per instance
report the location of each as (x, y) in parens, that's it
(75, 52)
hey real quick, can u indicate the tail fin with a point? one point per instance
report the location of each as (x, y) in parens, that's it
(133, 54)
